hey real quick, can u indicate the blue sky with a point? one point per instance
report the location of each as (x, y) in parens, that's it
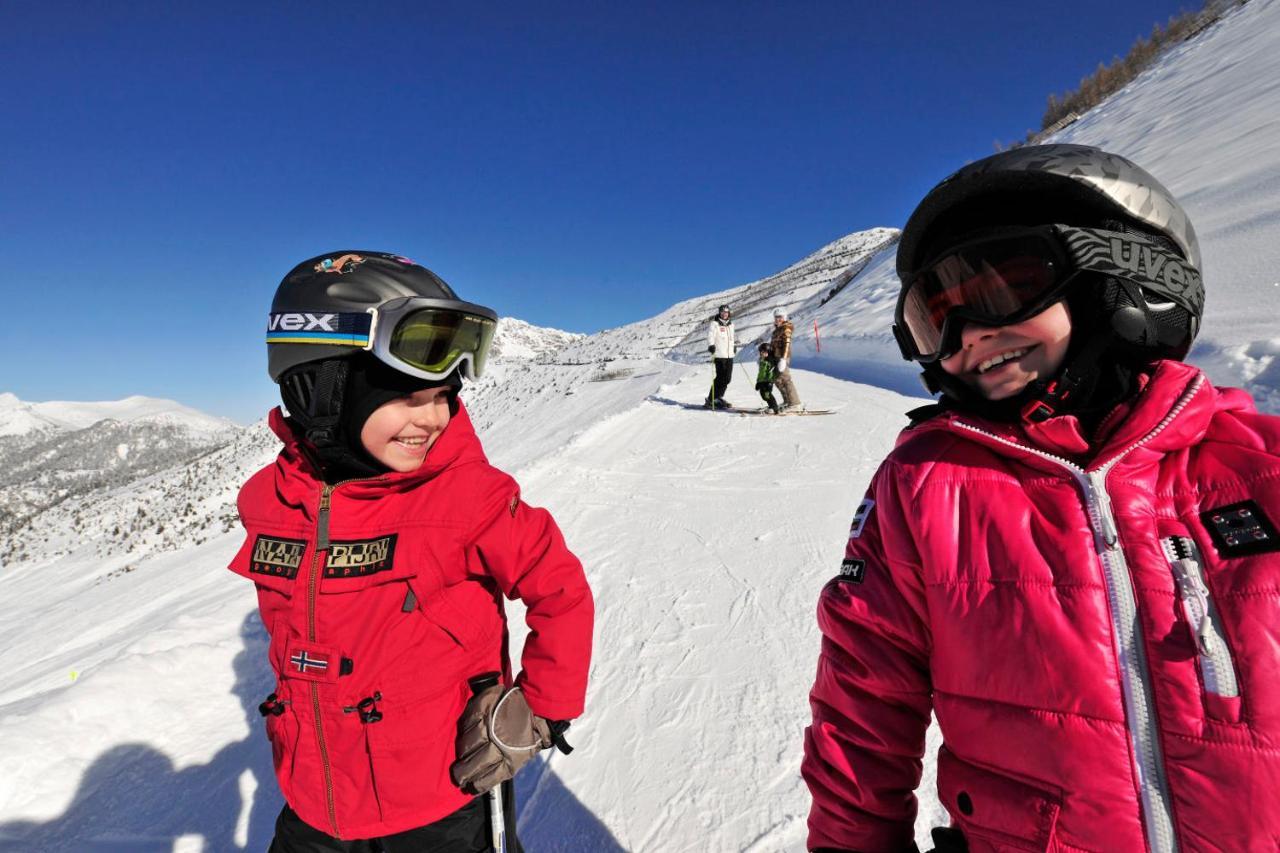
(575, 165)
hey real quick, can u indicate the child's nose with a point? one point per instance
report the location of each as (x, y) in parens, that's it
(972, 333)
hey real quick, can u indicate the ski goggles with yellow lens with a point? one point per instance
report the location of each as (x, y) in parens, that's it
(419, 336)
(1010, 275)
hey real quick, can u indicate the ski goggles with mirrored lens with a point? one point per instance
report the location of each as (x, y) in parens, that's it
(1013, 274)
(420, 336)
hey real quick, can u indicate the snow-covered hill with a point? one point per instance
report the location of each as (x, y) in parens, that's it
(58, 453)
(18, 418)
(1205, 120)
(127, 715)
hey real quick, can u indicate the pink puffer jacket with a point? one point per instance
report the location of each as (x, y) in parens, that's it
(1097, 633)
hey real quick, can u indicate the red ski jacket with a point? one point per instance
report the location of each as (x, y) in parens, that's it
(1096, 631)
(382, 597)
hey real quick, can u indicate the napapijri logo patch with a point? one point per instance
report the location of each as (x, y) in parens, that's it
(851, 570)
(358, 558)
(1241, 529)
(860, 518)
(275, 556)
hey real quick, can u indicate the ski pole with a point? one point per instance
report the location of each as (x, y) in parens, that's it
(497, 822)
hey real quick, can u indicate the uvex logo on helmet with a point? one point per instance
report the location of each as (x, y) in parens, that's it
(1139, 256)
(295, 322)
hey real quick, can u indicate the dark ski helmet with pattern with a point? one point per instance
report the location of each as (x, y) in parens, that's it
(352, 329)
(1128, 260)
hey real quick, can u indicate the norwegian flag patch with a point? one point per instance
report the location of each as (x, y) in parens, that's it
(308, 662)
(313, 662)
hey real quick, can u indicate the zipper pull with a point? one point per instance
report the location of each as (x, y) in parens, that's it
(1110, 533)
(322, 520)
(1205, 635)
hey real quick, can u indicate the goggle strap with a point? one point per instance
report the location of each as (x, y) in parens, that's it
(318, 327)
(1137, 259)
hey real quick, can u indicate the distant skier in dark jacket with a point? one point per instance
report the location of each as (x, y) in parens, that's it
(766, 371)
(721, 345)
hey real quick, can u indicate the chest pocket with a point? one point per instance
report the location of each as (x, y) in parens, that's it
(420, 570)
(351, 565)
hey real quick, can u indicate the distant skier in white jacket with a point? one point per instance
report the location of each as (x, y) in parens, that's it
(722, 346)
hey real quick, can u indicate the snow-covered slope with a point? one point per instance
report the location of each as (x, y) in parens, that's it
(1205, 120)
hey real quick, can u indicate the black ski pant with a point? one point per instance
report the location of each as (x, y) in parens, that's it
(766, 394)
(464, 831)
(724, 373)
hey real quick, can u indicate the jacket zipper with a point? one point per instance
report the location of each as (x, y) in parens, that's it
(1135, 670)
(1216, 667)
(322, 544)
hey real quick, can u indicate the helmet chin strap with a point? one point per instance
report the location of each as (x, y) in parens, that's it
(1042, 399)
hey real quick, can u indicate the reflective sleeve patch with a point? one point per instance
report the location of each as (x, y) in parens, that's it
(860, 517)
(852, 570)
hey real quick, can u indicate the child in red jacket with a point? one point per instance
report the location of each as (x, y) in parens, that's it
(382, 543)
(1072, 560)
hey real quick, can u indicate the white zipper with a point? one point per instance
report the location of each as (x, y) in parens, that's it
(1135, 672)
(1216, 667)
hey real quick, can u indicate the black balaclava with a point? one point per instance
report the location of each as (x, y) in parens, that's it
(369, 383)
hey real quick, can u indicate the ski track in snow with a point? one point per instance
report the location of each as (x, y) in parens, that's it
(706, 555)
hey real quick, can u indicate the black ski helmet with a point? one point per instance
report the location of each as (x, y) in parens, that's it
(346, 281)
(330, 389)
(1075, 185)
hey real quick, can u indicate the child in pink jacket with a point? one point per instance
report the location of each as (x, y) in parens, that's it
(1072, 559)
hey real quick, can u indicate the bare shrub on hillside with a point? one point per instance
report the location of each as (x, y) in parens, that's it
(1106, 80)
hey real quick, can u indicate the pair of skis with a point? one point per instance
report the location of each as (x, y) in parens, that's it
(785, 413)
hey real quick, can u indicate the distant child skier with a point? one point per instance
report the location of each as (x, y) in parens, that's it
(766, 370)
(1073, 558)
(722, 346)
(780, 346)
(382, 543)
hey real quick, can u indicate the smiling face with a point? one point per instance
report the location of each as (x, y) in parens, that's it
(399, 433)
(998, 362)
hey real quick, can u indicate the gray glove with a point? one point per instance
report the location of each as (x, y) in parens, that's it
(497, 735)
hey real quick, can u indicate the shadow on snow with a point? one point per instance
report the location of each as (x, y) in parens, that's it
(133, 800)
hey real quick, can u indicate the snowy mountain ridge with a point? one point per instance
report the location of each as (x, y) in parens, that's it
(19, 418)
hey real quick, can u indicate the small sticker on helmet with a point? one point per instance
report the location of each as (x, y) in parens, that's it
(340, 265)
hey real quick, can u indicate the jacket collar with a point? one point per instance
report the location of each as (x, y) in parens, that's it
(1171, 410)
